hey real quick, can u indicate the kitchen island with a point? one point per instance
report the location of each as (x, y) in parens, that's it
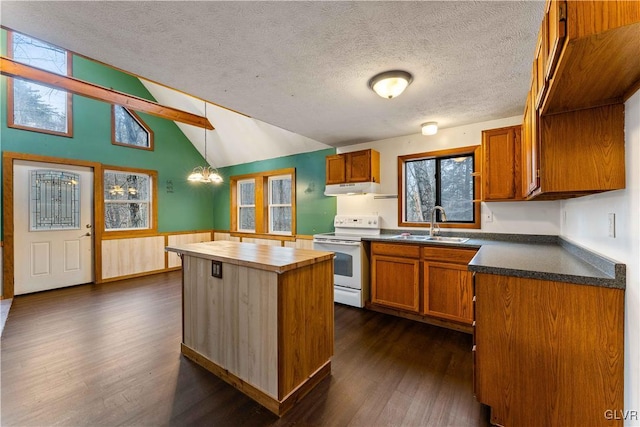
(259, 317)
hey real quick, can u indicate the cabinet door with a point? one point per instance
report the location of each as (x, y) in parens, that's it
(548, 342)
(530, 153)
(555, 21)
(540, 64)
(358, 166)
(501, 174)
(448, 291)
(335, 169)
(395, 281)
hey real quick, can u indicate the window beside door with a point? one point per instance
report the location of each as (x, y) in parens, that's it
(32, 106)
(129, 200)
(441, 178)
(264, 203)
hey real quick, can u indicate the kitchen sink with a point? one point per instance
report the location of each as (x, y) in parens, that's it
(447, 239)
(410, 237)
(422, 238)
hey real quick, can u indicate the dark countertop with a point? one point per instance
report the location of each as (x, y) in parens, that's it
(530, 256)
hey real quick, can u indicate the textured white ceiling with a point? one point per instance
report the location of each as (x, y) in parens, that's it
(304, 66)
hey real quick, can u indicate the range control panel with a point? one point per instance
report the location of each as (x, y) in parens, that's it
(357, 221)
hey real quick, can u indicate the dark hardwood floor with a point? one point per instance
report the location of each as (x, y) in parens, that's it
(110, 355)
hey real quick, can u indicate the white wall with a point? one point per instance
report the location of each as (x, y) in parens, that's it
(508, 217)
(587, 225)
(237, 138)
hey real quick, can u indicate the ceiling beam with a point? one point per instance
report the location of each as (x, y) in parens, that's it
(11, 68)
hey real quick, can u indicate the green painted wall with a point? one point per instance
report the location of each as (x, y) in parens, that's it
(314, 211)
(181, 205)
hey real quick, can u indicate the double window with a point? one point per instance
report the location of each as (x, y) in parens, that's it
(33, 106)
(264, 203)
(442, 178)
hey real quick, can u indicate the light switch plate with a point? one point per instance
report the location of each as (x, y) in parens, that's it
(487, 216)
(612, 224)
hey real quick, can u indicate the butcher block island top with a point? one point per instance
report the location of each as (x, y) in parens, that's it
(262, 257)
(259, 317)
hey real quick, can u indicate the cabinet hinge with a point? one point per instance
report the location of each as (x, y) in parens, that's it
(562, 11)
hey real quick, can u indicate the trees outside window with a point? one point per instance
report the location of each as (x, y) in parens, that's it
(264, 202)
(129, 129)
(445, 178)
(128, 200)
(33, 106)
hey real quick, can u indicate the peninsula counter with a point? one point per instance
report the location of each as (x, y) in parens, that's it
(259, 317)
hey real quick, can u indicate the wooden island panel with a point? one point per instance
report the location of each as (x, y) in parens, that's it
(268, 334)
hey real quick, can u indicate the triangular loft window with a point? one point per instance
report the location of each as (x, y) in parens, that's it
(129, 129)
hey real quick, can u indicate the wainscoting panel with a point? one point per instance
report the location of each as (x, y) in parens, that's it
(134, 256)
(173, 260)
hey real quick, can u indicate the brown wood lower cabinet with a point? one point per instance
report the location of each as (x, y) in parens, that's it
(548, 353)
(427, 283)
(395, 276)
(447, 284)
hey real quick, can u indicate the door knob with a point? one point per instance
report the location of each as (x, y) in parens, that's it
(87, 234)
(88, 225)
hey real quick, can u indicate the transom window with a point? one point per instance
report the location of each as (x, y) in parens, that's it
(33, 106)
(128, 200)
(264, 203)
(128, 129)
(442, 178)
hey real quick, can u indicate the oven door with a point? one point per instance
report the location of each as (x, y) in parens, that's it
(346, 264)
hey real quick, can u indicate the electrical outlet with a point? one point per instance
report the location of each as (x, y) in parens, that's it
(488, 216)
(612, 225)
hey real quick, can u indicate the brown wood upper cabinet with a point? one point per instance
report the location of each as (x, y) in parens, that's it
(589, 53)
(357, 166)
(577, 153)
(587, 59)
(501, 174)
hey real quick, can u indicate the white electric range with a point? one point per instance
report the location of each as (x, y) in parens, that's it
(351, 264)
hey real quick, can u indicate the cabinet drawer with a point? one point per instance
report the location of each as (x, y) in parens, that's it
(409, 250)
(453, 255)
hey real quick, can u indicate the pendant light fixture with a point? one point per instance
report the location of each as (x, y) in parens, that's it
(390, 83)
(205, 173)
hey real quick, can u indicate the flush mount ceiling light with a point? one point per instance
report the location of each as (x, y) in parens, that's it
(205, 173)
(430, 128)
(390, 83)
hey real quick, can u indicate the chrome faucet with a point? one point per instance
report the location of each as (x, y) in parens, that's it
(434, 229)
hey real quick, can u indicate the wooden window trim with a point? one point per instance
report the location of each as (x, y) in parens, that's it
(138, 119)
(151, 231)
(239, 205)
(261, 202)
(10, 102)
(476, 151)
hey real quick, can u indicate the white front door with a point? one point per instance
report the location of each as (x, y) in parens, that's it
(53, 226)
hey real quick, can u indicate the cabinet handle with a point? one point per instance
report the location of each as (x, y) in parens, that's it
(474, 348)
(474, 324)
(474, 298)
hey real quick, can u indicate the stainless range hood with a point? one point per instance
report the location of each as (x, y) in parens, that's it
(352, 188)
